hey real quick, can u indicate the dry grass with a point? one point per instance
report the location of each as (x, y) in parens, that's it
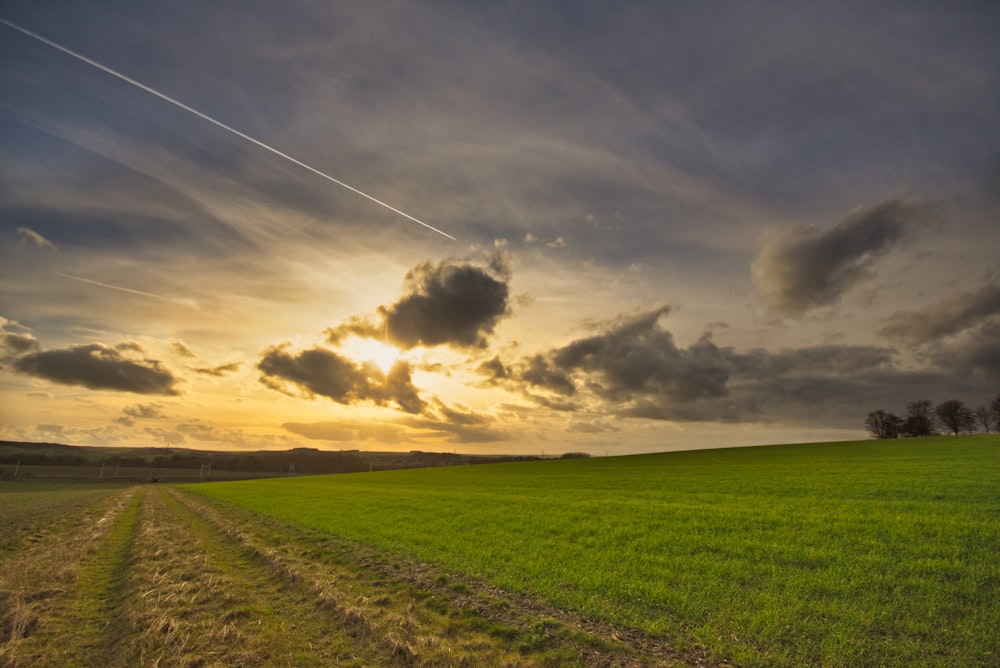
(410, 614)
(158, 577)
(35, 580)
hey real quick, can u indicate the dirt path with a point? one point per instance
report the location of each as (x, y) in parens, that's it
(153, 576)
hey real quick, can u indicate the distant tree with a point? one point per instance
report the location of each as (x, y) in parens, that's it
(985, 417)
(575, 455)
(919, 419)
(995, 409)
(956, 416)
(883, 425)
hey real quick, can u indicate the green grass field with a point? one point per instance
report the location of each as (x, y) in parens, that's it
(844, 554)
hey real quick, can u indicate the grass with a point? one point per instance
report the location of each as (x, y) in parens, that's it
(29, 507)
(867, 553)
(39, 578)
(152, 575)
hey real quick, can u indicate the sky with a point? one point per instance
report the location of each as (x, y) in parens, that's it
(675, 225)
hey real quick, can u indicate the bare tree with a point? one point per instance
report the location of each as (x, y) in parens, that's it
(995, 409)
(956, 416)
(883, 425)
(985, 417)
(920, 420)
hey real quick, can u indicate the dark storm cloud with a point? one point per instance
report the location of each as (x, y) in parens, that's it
(99, 367)
(947, 317)
(324, 372)
(456, 303)
(802, 268)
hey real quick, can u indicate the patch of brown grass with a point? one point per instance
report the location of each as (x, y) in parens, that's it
(35, 579)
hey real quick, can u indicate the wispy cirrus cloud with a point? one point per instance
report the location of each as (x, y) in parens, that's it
(35, 239)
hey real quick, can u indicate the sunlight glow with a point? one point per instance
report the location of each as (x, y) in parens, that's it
(370, 350)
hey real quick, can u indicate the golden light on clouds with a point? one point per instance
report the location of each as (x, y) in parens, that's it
(371, 350)
(645, 261)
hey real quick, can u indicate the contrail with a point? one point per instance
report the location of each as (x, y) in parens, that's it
(181, 302)
(211, 120)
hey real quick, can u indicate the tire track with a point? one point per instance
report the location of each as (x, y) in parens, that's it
(412, 614)
(194, 597)
(37, 582)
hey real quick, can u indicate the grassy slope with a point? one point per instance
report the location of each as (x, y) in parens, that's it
(835, 554)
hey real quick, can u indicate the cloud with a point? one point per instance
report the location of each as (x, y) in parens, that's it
(454, 303)
(950, 316)
(450, 303)
(324, 372)
(168, 436)
(217, 371)
(99, 367)
(458, 425)
(454, 425)
(181, 349)
(145, 411)
(802, 268)
(633, 368)
(139, 411)
(14, 344)
(350, 430)
(976, 357)
(29, 236)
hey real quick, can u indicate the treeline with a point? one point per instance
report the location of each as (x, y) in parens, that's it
(924, 418)
(301, 461)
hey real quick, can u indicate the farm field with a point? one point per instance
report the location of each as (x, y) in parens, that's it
(151, 575)
(863, 553)
(850, 554)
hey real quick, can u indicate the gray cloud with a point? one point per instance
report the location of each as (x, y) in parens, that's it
(976, 358)
(181, 349)
(324, 372)
(455, 303)
(448, 303)
(99, 367)
(802, 268)
(457, 424)
(139, 411)
(945, 318)
(146, 411)
(14, 344)
(217, 371)
(634, 367)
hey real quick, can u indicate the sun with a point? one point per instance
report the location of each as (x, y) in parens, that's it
(370, 350)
